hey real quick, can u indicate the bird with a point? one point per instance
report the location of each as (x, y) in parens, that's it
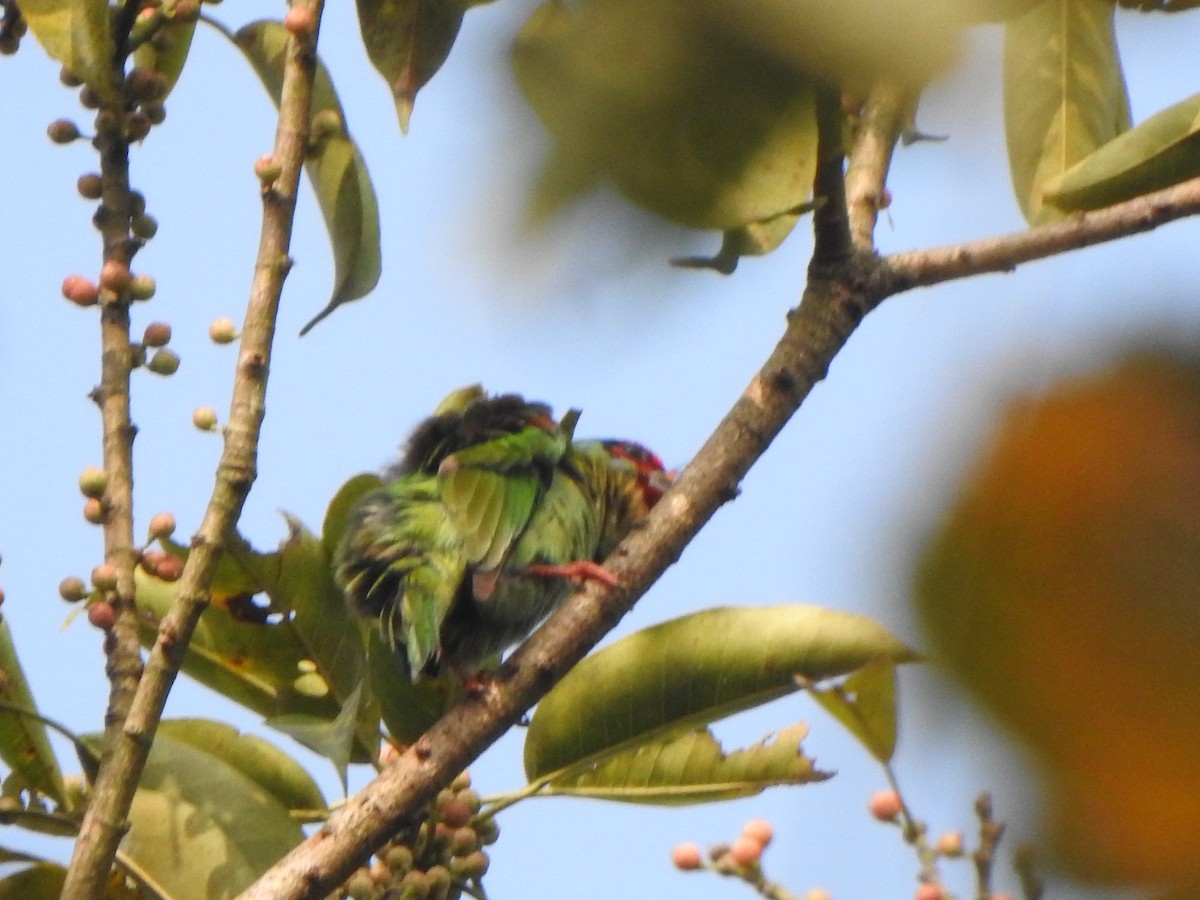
(492, 514)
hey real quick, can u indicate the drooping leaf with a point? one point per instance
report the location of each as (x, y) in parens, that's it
(1064, 94)
(169, 63)
(299, 655)
(1162, 151)
(335, 168)
(407, 41)
(340, 506)
(692, 768)
(687, 672)
(1061, 589)
(751, 239)
(77, 34)
(23, 742)
(407, 708)
(685, 120)
(43, 881)
(333, 739)
(267, 766)
(866, 704)
(202, 827)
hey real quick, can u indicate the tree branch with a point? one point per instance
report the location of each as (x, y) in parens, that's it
(837, 297)
(128, 744)
(875, 136)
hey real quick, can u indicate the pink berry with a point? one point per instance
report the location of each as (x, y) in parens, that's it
(114, 276)
(745, 851)
(759, 830)
(686, 857)
(300, 22)
(80, 291)
(885, 805)
(102, 615)
(927, 891)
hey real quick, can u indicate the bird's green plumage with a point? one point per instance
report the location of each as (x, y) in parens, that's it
(487, 488)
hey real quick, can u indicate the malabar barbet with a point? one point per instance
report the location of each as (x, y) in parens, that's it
(482, 528)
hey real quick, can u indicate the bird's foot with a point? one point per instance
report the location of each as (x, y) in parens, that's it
(580, 570)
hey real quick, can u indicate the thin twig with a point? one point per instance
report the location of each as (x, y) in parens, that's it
(878, 129)
(984, 858)
(126, 750)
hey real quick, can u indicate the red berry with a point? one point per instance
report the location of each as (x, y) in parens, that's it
(80, 290)
(102, 615)
(157, 334)
(927, 891)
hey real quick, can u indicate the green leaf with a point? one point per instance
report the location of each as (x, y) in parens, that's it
(23, 742)
(300, 655)
(76, 33)
(687, 672)
(170, 62)
(264, 764)
(1162, 151)
(335, 168)
(752, 239)
(866, 704)
(692, 768)
(407, 41)
(340, 507)
(696, 126)
(408, 709)
(203, 827)
(43, 881)
(332, 739)
(1064, 94)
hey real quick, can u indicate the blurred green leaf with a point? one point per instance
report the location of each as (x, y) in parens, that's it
(335, 168)
(1061, 589)
(1064, 94)
(178, 34)
(333, 739)
(407, 41)
(687, 121)
(203, 827)
(865, 703)
(43, 881)
(673, 677)
(23, 742)
(76, 33)
(691, 768)
(1162, 151)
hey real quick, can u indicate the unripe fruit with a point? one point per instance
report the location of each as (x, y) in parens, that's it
(93, 481)
(455, 813)
(204, 418)
(439, 882)
(145, 84)
(414, 886)
(155, 111)
(137, 203)
(69, 78)
(818, 894)
(141, 287)
(326, 123)
(222, 331)
(928, 891)
(88, 98)
(474, 865)
(63, 131)
(759, 830)
(137, 126)
(144, 226)
(114, 276)
(464, 841)
(300, 22)
(157, 334)
(102, 615)
(169, 568)
(162, 525)
(107, 122)
(104, 576)
(267, 170)
(745, 851)
(186, 11)
(163, 362)
(72, 589)
(93, 511)
(687, 858)
(461, 781)
(399, 859)
(472, 799)
(90, 186)
(80, 290)
(360, 886)
(950, 844)
(885, 805)
(488, 831)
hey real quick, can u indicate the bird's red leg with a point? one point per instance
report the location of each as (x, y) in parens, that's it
(580, 570)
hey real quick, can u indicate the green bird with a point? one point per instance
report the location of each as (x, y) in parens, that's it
(480, 529)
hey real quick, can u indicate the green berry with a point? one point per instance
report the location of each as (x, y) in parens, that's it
(399, 859)
(488, 831)
(163, 362)
(141, 287)
(204, 418)
(144, 226)
(267, 170)
(93, 481)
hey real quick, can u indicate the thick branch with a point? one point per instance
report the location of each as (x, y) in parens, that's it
(127, 749)
(831, 228)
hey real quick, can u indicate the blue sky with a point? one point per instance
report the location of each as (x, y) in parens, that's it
(587, 316)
